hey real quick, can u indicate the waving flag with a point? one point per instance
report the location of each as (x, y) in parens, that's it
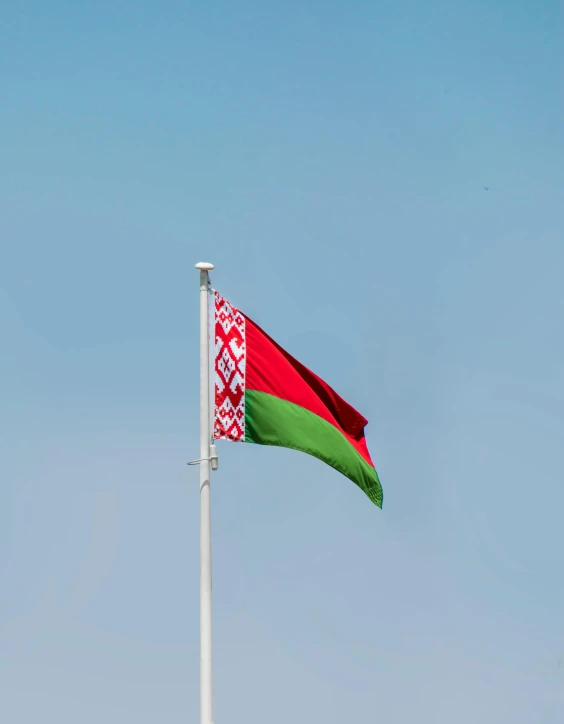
(264, 395)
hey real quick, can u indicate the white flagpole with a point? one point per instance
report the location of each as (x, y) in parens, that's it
(206, 674)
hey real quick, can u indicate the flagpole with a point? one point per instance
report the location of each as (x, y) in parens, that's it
(206, 672)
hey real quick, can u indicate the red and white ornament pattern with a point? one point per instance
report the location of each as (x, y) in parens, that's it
(230, 353)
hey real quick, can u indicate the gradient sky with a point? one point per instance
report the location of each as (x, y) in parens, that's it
(381, 187)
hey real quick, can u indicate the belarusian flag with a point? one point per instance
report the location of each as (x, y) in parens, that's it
(264, 395)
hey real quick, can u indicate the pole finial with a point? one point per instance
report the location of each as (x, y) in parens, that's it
(204, 266)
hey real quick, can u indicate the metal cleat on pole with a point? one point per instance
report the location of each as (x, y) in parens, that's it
(213, 458)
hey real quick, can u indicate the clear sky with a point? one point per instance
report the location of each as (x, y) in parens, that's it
(380, 186)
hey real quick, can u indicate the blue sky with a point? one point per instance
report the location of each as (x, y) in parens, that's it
(380, 186)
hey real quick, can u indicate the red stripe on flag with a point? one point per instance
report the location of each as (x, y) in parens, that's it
(269, 368)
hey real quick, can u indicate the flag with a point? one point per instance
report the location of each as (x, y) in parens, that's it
(264, 395)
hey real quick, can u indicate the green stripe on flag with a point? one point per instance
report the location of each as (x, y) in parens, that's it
(270, 420)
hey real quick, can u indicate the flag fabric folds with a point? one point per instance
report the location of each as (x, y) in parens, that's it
(264, 395)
